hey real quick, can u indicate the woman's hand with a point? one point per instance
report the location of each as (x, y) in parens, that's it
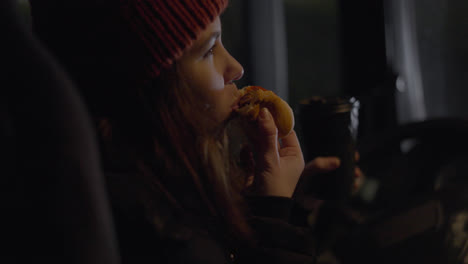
(278, 166)
(359, 176)
(321, 165)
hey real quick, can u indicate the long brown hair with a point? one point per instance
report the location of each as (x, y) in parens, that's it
(178, 162)
(150, 133)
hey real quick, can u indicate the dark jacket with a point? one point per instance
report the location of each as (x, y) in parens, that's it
(279, 241)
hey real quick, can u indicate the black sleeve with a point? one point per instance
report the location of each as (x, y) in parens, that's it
(279, 240)
(270, 206)
(283, 208)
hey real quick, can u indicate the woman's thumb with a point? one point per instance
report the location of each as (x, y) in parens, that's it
(268, 132)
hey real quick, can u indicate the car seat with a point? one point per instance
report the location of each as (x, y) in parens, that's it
(54, 203)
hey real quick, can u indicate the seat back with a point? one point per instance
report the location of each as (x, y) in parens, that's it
(53, 200)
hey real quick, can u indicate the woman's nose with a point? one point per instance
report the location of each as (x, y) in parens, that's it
(241, 73)
(234, 70)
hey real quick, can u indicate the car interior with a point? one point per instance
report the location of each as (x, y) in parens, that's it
(412, 208)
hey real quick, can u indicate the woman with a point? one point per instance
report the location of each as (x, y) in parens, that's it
(160, 85)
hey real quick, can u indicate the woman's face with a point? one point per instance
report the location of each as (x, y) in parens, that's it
(209, 69)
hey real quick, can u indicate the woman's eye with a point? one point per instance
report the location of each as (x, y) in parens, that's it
(210, 52)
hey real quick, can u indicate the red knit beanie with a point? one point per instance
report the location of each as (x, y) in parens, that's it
(168, 27)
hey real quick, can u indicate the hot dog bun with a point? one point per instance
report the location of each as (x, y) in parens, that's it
(254, 98)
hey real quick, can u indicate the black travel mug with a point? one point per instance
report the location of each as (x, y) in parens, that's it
(328, 127)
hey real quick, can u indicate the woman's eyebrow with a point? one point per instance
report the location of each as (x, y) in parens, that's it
(215, 35)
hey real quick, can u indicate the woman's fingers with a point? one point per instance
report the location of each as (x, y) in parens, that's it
(358, 179)
(267, 136)
(277, 167)
(327, 164)
(321, 165)
(358, 172)
(290, 146)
